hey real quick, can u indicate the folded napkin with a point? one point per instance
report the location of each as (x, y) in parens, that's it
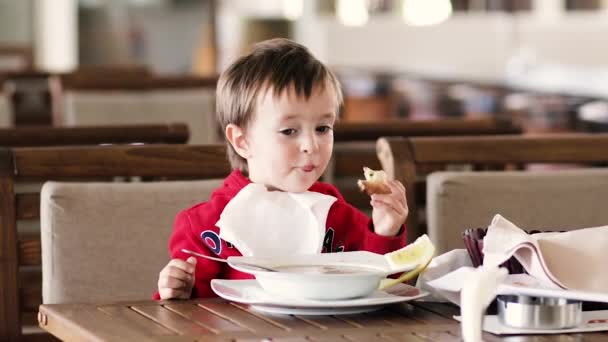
(271, 224)
(438, 267)
(574, 260)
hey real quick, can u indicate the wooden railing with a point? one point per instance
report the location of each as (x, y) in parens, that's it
(94, 135)
(403, 157)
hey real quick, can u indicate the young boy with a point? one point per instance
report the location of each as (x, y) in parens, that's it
(277, 106)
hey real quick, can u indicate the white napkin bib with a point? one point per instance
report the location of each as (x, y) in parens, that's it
(266, 223)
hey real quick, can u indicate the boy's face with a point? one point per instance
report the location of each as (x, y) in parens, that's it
(290, 139)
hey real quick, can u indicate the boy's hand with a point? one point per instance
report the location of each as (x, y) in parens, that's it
(390, 210)
(177, 279)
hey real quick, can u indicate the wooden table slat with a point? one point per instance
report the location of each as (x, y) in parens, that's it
(283, 339)
(134, 319)
(171, 320)
(290, 322)
(243, 317)
(364, 336)
(205, 318)
(438, 336)
(393, 318)
(446, 311)
(401, 336)
(420, 315)
(327, 322)
(365, 320)
(325, 338)
(85, 322)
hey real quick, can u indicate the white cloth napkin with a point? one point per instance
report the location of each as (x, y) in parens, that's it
(477, 293)
(438, 267)
(271, 224)
(574, 260)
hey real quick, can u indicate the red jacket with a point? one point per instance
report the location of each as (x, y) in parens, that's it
(347, 229)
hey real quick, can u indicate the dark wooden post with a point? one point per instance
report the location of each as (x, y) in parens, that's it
(10, 317)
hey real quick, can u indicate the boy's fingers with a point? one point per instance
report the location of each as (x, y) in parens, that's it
(178, 273)
(391, 198)
(171, 293)
(170, 283)
(181, 264)
(191, 260)
(398, 209)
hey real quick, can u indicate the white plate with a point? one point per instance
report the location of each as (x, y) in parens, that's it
(314, 311)
(315, 284)
(249, 292)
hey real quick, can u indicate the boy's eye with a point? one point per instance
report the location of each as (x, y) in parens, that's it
(287, 131)
(323, 129)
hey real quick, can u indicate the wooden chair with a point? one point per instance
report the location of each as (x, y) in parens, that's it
(403, 157)
(355, 145)
(93, 135)
(20, 254)
(137, 99)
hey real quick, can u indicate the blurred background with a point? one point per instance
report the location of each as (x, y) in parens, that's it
(540, 63)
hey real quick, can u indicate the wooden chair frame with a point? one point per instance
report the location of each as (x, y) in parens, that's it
(402, 157)
(19, 300)
(355, 145)
(94, 135)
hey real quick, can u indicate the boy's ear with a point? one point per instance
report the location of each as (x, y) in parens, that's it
(238, 140)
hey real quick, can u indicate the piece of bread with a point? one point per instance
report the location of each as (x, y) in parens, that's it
(374, 182)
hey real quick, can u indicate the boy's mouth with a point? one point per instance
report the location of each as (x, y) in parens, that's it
(308, 168)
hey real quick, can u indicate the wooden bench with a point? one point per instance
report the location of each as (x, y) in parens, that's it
(355, 145)
(93, 135)
(402, 158)
(20, 277)
(371, 131)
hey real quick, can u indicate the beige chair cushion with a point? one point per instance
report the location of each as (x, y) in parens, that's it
(194, 107)
(549, 200)
(13, 63)
(108, 241)
(6, 113)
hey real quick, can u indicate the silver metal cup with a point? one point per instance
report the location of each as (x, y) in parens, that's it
(528, 312)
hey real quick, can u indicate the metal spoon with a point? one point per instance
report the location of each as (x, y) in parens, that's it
(246, 264)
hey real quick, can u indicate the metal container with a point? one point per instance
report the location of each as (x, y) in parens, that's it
(528, 312)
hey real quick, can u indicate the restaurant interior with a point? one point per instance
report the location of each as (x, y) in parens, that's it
(483, 109)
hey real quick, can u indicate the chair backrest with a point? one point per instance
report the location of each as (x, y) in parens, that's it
(20, 292)
(543, 200)
(6, 112)
(113, 234)
(142, 100)
(93, 135)
(402, 157)
(355, 145)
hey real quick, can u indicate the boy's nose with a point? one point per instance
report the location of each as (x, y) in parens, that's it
(309, 144)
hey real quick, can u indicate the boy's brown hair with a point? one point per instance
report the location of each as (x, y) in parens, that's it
(278, 64)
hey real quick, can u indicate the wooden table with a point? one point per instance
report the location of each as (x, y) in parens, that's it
(219, 320)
